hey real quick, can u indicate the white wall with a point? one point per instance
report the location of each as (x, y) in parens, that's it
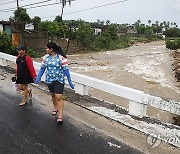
(1, 27)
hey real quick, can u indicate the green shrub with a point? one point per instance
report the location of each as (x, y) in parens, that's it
(123, 42)
(102, 42)
(6, 44)
(32, 53)
(173, 44)
(172, 32)
(105, 42)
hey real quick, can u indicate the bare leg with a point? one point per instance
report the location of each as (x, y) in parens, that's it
(26, 91)
(54, 112)
(30, 95)
(20, 87)
(60, 106)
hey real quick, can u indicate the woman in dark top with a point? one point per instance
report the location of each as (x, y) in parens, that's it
(23, 76)
(25, 73)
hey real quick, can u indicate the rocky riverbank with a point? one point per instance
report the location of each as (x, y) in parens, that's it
(176, 64)
(176, 69)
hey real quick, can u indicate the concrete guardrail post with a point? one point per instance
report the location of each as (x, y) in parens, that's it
(137, 109)
(81, 89)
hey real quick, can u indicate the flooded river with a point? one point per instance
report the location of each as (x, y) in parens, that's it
(146, 67)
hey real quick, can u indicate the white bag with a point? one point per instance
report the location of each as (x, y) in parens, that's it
(15, 86)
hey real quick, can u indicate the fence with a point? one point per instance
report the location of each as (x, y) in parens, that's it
(138, 100)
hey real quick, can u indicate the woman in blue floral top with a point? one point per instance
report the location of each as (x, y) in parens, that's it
(56, 66)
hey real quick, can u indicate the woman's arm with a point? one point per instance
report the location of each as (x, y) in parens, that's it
(66, 71)
(42, 70)
(40, 74)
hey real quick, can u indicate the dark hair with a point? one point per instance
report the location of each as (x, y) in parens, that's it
(21, 47)
(55, 48)
(60, 51)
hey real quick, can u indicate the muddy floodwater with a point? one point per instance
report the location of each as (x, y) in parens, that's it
(146, 67)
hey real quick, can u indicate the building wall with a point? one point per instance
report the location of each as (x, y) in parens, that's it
(74, 45)
(5, 26)
(1, 27)
(7, 29)
(34, 40)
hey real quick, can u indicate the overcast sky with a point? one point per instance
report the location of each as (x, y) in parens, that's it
(126, 11)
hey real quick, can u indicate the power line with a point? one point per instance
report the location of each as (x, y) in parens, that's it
(5, 0)
(97, 7)
(37, 3)
(4, 3)
(90, 8)
(13, 9)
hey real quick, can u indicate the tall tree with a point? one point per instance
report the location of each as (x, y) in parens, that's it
(175, 25)
(64, 2)
(137, 23)
(36, 20)
(98, 21)
(84, 34)
(21, 15)
(157, 23)
(149, 22)
(108, 22)
(58, 18)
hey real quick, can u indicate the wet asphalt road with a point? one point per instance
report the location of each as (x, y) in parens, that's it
(31, 130)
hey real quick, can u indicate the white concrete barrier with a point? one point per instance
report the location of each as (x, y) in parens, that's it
(138, 100)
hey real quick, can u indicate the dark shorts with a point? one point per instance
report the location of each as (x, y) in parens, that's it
(56, 87)
(24, 79)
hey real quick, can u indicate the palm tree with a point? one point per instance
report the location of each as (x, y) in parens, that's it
(175, 25)
(149, 22)
(172, 24)
(157, 23)
(168, 23)
(64, 2)
(108, 22)
(98, 21)
(161, 24)
(164, 23)
(137, 23)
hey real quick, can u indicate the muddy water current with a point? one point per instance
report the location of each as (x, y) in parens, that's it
(146, 67)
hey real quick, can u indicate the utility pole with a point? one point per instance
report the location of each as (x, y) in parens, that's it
(17, 4)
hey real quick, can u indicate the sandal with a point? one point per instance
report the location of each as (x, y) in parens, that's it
(30, 95)
(59, 120)
(23, 103)
(54, 112)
